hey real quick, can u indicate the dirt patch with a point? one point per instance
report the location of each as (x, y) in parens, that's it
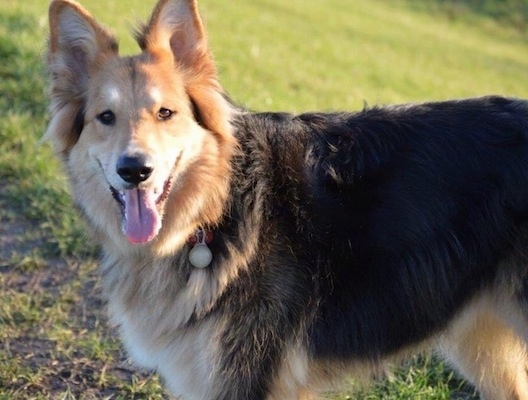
(55, 341)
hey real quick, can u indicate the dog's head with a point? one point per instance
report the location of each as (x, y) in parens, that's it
(146, 140)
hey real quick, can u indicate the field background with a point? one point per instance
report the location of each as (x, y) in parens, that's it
(272, 55)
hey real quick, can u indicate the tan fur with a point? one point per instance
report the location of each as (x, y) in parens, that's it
(176, 70)
(488, 351)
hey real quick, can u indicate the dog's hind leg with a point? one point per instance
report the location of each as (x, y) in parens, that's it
(488, 352)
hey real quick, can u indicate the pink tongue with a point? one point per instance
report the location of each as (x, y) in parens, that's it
(142, 220)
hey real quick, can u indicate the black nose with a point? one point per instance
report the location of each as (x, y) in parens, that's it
(134, 169)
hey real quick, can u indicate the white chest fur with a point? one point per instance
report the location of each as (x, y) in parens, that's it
(185, 357)
(151, 305)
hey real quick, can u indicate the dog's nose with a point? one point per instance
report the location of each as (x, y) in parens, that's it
(134, 169)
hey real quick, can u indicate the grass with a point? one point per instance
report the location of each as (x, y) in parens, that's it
(295, 55)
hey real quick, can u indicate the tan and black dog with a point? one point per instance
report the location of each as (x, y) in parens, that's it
(252, 256)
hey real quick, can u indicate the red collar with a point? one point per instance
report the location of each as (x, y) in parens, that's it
(201, 236)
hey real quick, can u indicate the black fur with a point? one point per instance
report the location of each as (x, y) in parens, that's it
(78, 123)
(374, 228)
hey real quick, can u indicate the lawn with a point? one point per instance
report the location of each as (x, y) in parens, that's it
(272, 55)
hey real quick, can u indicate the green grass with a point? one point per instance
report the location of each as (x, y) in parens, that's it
(272, 55)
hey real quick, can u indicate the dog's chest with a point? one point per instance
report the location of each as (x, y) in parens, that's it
(151, 306)
(184, 357)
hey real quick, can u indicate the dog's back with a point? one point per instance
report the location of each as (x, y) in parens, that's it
(395, 220)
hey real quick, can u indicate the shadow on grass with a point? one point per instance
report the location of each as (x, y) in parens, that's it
(511, 12)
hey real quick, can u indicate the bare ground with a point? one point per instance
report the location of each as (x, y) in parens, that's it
(64, 299)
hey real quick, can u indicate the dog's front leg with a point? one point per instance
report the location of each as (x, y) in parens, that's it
(256, 342)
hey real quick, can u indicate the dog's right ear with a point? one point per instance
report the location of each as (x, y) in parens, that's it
(77, 44)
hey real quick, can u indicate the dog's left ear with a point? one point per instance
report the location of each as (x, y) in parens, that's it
(176, 30)
(176, 27)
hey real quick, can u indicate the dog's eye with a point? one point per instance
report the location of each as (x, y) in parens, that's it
(106, 117)
(165, 114)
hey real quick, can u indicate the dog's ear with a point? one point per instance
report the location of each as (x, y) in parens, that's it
(76, 45)
(176, 27)
(77, 42)
(176, 30)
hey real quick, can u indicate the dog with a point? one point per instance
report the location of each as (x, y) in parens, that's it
(251, 255)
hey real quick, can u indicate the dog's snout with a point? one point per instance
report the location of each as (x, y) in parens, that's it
(134, 169)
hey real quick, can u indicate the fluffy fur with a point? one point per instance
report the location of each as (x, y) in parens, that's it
(341, 240)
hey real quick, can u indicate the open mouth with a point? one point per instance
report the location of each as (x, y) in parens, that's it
(142, 211)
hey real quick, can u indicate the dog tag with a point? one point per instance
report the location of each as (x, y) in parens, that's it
(200, 256)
